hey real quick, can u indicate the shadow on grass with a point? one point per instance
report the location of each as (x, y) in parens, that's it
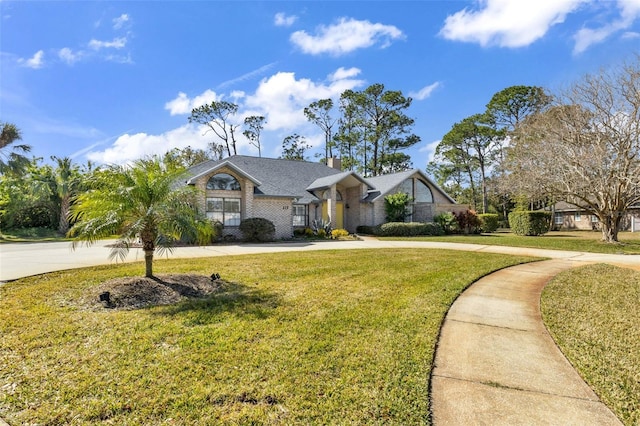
(235, 299)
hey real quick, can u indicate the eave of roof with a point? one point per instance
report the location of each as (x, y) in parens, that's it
(221, 165)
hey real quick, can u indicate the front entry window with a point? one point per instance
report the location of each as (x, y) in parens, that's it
(224, 210)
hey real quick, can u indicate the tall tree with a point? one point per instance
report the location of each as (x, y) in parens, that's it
(294, 147)
(386, 127)
(253, 126)
(510, 106)
(139, 201)
(349, 137)
(585, 149)
(12, 159)
(319, 113)
(475, 142)
(217, 117)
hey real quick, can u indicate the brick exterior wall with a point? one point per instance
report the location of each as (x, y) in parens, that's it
(278, 211)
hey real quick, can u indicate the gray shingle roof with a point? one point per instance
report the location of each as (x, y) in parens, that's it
(385, 183)
(273, 177)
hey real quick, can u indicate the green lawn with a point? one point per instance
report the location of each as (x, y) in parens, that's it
(30, 235)
(593, 314)
(586, 241)
(332, 337)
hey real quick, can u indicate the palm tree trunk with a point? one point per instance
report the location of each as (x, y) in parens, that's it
(63, 224)
(148, 261)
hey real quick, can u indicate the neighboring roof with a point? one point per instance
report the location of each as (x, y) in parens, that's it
(347, 178)
(384, 184)
(272, 177)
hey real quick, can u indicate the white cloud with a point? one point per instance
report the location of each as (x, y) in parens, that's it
(183, 105)
(35, 62)
(425, 92)
(120, 21)
(132, 147)
(507, 23)
(116, 43)
(282, 20)
(629, 12)
(629, 35)
(345, 36)
(342, 73)
(430, 149)
(69, 56)
(282, 98)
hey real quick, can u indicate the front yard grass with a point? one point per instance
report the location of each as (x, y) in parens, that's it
(331, 337)
(593, 313)
(586, 241)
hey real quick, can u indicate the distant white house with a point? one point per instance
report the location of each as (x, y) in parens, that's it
(291, 194)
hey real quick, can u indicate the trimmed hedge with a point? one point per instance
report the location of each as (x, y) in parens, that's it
(489, 222)
(409, 229)
(529, 223)
(257, 229)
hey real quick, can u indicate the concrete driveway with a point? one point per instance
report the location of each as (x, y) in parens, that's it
(19, 260)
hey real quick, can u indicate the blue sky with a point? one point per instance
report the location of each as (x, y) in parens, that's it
(115, 81)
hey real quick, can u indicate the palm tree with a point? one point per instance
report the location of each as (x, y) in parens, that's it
(10, 160)
(139, 201)
(65, 183)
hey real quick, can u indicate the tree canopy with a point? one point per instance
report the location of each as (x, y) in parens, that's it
(139, 201)
(585, 148)
(12, 158)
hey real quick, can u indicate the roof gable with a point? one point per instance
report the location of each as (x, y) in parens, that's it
(384, 184)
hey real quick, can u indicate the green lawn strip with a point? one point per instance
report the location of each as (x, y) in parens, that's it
(331, 337)
(593, 313)
(585, 241)
(30, 235)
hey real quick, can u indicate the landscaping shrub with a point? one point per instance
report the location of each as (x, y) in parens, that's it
(409, 229)
(337, 233)
(468, 222)
(395, 206)
(489, 222)
(447, 222)
(529, 223)
(257, 229)
(321, 228)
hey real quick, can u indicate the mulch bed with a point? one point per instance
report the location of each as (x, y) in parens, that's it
(139, 292)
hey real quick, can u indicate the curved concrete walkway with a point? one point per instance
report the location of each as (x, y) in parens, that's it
(495, 362)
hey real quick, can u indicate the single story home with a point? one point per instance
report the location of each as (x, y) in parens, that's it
(567, 216)
(292, 194)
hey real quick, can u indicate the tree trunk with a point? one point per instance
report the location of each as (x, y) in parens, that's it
(148, 261)
(610, 226)
(63, 223)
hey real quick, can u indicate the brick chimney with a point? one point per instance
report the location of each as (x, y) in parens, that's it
(334, 163)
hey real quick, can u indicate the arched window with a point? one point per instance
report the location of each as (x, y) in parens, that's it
(223, 181)
(423, 192)
(417, 189)
(326, 195)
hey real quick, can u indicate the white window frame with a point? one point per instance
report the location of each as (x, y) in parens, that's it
(577, 216)
(558, 218)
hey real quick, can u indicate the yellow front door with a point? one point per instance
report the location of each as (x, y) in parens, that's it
(338, 221)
